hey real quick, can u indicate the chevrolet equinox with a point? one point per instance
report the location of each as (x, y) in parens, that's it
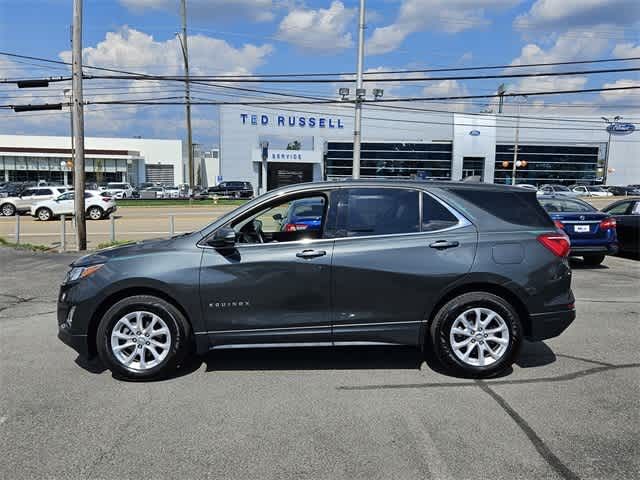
(465, 270)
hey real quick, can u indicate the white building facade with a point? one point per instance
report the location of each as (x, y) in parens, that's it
(135, 160)
(279, 145)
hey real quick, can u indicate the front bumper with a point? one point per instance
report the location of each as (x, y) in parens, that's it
(67, 315)
(549, 325)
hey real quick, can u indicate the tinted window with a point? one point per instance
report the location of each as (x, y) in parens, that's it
(520, 208)
(44, 191)
(29, 191)
(553, 205)
(66, 196)
(378, 211)
(435, 216)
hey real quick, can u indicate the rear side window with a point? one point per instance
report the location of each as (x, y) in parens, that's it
(435, 216)
(619, 209)
(554, 205)
(377, 211)
(519, 208)
(44, 191)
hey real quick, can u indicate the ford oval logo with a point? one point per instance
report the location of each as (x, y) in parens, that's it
(474, 133)
(621, 128)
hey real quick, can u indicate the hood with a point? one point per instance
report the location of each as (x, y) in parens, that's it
(142, 247)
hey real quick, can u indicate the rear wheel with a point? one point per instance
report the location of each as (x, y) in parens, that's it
(44, 214)
(476, 334)
(593, 259)
(95, 213)
(143, 337)
(8, 209)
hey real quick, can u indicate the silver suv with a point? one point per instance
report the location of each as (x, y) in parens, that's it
(22, 203)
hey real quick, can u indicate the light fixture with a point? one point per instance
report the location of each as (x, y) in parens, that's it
(377, 93)
(344, 93)
(360, 93)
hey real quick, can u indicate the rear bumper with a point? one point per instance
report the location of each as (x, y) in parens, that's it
(549, 325)
(608, 249)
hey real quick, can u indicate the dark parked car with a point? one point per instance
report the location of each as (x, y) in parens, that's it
(592, 233)
(623, 191)
(465, 270)
(627, 215)
(232, 189)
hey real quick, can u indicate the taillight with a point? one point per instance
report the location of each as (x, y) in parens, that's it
(559, 224)
(608, 223)
(106, 199)
(294, 227)
(557, 243)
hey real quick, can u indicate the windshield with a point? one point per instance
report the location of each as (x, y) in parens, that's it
(116, 185)
(561, 188)
(596, 189)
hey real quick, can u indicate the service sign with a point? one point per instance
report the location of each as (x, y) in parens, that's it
(621, 128)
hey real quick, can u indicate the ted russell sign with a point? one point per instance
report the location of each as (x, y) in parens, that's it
(291, 121)
(621, 128)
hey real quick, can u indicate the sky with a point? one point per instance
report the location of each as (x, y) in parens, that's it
(295, 36)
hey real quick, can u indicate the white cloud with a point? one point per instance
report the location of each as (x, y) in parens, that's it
(626, 50)
(562, 14)
(567, 47)
(621, 96)
(322, 30)
(450, 16)
(256, 10)
(130, 49)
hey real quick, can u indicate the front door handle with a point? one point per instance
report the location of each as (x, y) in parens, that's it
(311, 253)
(444, 244)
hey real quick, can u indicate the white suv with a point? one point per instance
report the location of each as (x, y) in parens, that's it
(119, 189)
(16, 205)
(98, 205)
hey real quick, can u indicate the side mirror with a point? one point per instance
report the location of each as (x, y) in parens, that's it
(277, 217)
(223, 238)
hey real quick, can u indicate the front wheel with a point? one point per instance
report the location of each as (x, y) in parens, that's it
(476, 334)
(143, 337)
(593, 260)
(8, 210)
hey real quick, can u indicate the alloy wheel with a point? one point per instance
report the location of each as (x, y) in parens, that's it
(8, 210)
(479, 337)
(95, 213)
(140, 340)
(44, 214)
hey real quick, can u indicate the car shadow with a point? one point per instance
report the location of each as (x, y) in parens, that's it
(532, 354)
(579, 264)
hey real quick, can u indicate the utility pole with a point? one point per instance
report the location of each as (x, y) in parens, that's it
(78, 127)
(187, 92)
(360, 94)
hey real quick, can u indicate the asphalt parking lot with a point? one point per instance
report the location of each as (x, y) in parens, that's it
(569, 409)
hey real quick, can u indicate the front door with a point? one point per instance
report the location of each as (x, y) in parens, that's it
(274, 286)
(391, 263)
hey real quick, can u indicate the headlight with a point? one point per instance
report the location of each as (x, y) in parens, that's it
(77, 273)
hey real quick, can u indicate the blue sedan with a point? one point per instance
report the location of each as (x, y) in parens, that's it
(304, 214)
(592, 233)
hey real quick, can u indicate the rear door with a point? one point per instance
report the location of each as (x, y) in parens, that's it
(627, 215)
(395, 251)
(26, 199)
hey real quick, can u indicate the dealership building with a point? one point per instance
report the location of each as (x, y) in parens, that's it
(26, 158)
(285, 144)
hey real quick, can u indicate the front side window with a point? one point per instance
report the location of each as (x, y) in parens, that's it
(65, 196)
(377, 211)
(287, 221)
(44, 191)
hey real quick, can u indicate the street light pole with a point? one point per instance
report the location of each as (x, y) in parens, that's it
(357, 130)
(517, 140)
(78, 127)
(605, 170)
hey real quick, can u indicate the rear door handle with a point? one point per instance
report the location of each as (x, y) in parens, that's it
(311, 253)
(444, 244)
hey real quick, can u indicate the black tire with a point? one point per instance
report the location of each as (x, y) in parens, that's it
(442, 323)
(8, 209)
(95, 213)
(44, 214)
(177, 324)
(593, 260)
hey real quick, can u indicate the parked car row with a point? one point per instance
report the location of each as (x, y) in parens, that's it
(584, 190)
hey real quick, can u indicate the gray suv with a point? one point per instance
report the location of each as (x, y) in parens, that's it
(464, 270)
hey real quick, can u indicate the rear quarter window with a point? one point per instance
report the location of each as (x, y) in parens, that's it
(519, 208)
